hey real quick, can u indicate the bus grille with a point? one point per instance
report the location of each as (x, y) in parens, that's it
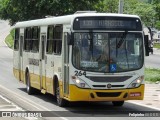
(109, 78)
(108, 94)
(111, 86)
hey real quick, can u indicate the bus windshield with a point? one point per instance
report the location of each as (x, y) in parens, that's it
(108, 52)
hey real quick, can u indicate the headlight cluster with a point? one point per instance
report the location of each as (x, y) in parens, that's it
(136, 83)
(79, 82)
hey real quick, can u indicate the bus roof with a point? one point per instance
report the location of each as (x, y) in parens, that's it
(67, 19)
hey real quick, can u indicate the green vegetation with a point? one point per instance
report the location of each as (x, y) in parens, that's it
(152, 75)
(9, 39)
(157, 45)
(22, 10)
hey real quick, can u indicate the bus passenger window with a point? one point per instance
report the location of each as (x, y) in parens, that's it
(27, 39)
(57, 39)
(50, 43)
(58, 47)
(35, 39)
(16, 39)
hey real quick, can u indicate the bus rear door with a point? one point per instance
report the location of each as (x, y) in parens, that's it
(42, 61)
(21, 75)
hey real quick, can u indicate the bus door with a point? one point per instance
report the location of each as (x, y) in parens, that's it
(65, 66)
(21, 76)
(42, 66)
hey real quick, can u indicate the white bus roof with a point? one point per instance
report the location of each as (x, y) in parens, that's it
(67, 19)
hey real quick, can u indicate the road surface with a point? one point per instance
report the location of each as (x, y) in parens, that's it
(153, 61)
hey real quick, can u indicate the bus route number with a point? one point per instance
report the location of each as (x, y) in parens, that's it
(80, 73)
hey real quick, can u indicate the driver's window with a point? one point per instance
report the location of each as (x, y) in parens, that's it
(136, 47)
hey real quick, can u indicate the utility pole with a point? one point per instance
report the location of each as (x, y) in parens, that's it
(121, 4)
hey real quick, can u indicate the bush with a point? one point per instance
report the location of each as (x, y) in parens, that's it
(10, 39)
(152, 75)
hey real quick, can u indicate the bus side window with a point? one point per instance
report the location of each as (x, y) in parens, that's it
(16, 39)
(35, 39)
(27, 39)
(58, 39)
(50, 44)
(58, 46)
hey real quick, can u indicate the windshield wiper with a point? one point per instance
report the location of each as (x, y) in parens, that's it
(119, 44)
(123, 37)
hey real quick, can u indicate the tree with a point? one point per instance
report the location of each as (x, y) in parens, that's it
(141, 8)
(20, 10)
(130, 5)
(156, 6)
(111, 6)
(146, 12)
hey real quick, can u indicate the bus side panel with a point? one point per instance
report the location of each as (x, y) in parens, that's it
(58, 70)
(31, 69)
(25, 63)
(36, 75)
(49, 73)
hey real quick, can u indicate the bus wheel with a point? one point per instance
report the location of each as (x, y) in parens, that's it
(60, 101)
(117, 103)
(28, 85)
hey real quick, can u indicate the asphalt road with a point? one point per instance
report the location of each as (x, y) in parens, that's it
(16, 92)
(153, 61)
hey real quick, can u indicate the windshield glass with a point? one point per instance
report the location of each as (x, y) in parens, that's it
(108, 52)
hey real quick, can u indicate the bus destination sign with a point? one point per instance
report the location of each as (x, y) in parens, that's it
(109, 24)
(106, 24)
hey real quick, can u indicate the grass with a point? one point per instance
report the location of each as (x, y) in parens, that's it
(9, 39)
(152, 75)
(157, 45)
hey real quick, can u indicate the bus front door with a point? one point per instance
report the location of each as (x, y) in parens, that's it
(65, 67)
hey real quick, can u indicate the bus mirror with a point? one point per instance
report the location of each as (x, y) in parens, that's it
(70, 39)
(146, 45)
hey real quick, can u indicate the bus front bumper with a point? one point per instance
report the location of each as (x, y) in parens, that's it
(78, 94)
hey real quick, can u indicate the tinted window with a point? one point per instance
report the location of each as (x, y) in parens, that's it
(16, 39)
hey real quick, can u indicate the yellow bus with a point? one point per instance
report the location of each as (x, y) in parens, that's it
(82, 57)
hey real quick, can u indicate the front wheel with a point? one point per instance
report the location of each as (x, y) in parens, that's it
(60, 101)
(117, 103)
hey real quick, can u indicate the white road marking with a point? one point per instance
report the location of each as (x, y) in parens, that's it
(31, 102)
(17, 108)
(144, 105)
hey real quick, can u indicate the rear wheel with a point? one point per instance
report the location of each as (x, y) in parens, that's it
(117, 103)
(60, 101)
(28, 85)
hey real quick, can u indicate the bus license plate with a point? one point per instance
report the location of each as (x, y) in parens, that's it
(135, 94)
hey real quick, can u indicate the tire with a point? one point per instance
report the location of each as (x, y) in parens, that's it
(118, 103)
(30, 90)
(60, 101)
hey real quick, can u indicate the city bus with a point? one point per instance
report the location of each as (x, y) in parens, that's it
(82, 57)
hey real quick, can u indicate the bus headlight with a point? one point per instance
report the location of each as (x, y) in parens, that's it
(80, 83)
(136, 83)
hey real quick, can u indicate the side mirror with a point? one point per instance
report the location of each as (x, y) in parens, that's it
(146, 45)
(70, 39)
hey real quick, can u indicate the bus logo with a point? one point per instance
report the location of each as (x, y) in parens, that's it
(109, 85)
